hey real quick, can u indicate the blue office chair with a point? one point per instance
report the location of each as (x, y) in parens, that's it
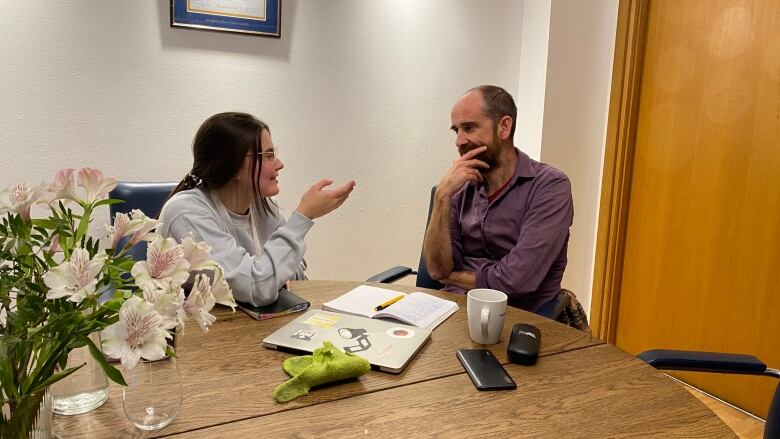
(552, 309)
(719, 363)
(148, 197)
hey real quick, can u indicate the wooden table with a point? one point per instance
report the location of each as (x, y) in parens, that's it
(580, 387)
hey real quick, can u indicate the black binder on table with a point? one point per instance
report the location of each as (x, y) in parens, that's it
(286, 303)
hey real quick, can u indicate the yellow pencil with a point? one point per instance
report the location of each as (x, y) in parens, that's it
(389, 302)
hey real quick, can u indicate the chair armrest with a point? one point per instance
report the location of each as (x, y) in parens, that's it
(703, 361)
(391, 275)
(555, 307)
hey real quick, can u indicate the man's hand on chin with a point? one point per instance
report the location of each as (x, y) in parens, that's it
(463, 279)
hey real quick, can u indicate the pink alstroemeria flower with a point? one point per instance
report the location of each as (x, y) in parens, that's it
(139, 333)
(54, 244)
(200, 302)
(19, 198)
(64, 186)
(136, 225)
(197, 254)
(221, 291)
(168, 301)
(164, 262)
(96, 186)
(76, 278)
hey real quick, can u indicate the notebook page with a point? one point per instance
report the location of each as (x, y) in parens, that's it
(421, 310)
(361, 301)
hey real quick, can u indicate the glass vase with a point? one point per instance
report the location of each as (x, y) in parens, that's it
(84, 390)
(28, 417)
(153, 395)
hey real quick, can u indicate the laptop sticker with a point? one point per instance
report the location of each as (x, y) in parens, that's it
(400, 333)
(359, 335)
(304, 334)
(323, 321)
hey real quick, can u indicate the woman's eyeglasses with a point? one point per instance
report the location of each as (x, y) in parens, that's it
(268, 156)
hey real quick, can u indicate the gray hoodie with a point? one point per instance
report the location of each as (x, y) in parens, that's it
(254, 278)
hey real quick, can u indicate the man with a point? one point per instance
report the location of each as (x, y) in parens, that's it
(500, 219)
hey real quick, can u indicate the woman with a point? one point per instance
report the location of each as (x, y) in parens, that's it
(225, 201)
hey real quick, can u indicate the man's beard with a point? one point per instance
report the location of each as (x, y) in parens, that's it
(490, 156)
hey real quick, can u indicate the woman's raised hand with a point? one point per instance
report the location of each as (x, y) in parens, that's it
(318, 201)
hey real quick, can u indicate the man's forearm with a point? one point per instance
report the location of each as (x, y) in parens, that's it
(463, 279)
(437, 246)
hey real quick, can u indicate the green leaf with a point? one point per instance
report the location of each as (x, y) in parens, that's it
(49, 260)
(46, 224)
(126, 265)
(111, 372)
(83, 225)
(77, 343)
(7, 379)
(108, 201)
(63, 363)
(56, 377)
(115, 303)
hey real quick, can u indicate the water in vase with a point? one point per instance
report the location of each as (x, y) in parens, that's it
(84, 390)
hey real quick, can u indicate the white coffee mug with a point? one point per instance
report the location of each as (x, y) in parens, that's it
(486, 310)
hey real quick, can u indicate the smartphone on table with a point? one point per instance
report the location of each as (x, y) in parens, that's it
(484, 369)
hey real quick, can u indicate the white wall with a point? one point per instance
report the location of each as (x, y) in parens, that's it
(579, 71)
(533, 77)
(354, 89)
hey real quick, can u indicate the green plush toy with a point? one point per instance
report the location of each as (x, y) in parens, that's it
(326, 365)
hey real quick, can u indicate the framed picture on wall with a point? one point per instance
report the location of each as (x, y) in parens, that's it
(255, 17)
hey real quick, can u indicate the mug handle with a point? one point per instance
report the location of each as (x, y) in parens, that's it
(484, 318)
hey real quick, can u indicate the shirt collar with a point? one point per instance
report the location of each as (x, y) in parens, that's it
(524, 169)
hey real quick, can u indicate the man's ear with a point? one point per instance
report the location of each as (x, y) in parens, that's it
(504, 127)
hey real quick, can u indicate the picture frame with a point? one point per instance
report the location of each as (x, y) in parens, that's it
(253, 17)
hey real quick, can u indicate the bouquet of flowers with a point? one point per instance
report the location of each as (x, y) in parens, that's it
(58, 284)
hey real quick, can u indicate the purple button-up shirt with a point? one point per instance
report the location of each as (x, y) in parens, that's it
(516, 243)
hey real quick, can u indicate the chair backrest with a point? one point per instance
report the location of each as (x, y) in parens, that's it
(555, 307)
(148, 197)
(424, 279)
(718, 362)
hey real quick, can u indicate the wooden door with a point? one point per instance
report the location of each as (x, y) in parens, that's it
(689, 245)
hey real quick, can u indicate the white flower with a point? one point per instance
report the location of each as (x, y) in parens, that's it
(200, 302)
(64, 186)
(168, 300)
(19, 198)
(96, 186)
(197, 254)
(164, 262)
(75, 278)
(221, 290)
(143, 227)
(66, 181)
(136, 225)
(139, 333)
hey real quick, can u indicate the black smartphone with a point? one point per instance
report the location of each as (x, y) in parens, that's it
(485, 370)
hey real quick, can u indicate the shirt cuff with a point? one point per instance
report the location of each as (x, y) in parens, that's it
(299, 222)
(479, 278)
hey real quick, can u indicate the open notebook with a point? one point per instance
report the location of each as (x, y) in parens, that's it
(416, 309)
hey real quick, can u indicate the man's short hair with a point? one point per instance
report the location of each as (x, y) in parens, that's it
(497, 104)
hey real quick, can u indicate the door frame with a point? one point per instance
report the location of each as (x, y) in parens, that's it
(618, 166)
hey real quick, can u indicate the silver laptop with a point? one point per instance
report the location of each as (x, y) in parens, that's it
(388, 346)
